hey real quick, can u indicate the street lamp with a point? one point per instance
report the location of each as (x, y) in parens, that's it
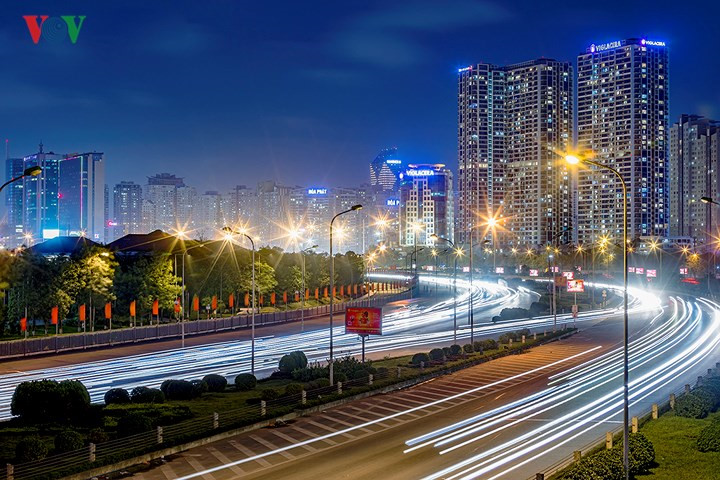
(332, 283)
(575, 160)
(28, 172)
(452, 244)
(229, 232)
(182, 320)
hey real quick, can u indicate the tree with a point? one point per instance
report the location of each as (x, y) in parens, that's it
(289, 279)
(145, 279)
(265, 281)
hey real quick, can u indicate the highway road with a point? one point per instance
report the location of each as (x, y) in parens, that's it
(506, 419)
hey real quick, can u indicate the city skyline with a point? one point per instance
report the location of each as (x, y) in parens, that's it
(308, 132)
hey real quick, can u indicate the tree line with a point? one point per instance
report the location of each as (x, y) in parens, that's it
(33, 285)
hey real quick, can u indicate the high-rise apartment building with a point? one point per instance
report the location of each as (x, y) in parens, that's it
(14, 168)
(426, 205)
(209, 220)
(161, 190)
(239, 206)
(512, 121)
(127, 208)
(272, 215)
(694, 173)
(623, 123)
(81, 196)
(40, 196)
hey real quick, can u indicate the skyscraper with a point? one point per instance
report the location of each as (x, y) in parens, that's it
(209, 217)
(385, 171)
(694, 173)
(623, 123)
(512, 121)
(40, 195)
(14, 200)
(161, 190)
(426, 205)
(127, 207)
(81, 195)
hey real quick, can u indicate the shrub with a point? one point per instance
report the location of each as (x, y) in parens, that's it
(468, 348)
(133, 424)
(269, 394)
(446, 351)
(68, 441)
(147, 395)
(292, 361)
(319, 383)
(382, 372)
(294, 388)
(116, 395)
(30, 449)
(310, 373)
(215, 383)
(245, 381)
(709, 438)
(164, 386)
(179, 390)
(340, 377)
(506, 337)
(455, 349)
(437, 355)
(198, 387)
(97, 435)
(707, 394)
(489, 344)
(360, 374)
(417, 358)
(606, 465)
(692, 406)
(478, 347)
(48, 400)
(642, 453)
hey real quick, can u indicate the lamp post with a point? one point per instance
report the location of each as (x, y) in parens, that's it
(229, 232)
(182, 319)
(28, 172)
(574, 160)
(709, 201)
(452, 244)
(302, 308)
(332, 283)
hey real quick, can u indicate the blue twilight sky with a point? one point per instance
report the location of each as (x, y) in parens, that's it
(231, 92)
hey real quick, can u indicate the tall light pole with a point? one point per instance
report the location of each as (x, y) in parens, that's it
(332, 284)
(182, 319)
(28, 172)
(452, 244)
(302, 308)
(574, 160)
(229, 232)
(709, 201)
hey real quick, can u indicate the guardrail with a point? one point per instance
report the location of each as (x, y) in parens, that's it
(600, 442)
(106, 338)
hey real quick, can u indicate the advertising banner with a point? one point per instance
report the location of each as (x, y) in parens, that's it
(651, 273)
(569, 275)
(533, 272)
(363, 321)
(576, 286)
(499, 269)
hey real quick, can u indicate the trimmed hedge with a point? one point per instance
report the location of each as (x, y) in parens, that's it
(269, 394)
(690, 405)
(437, 355)
(245, 382)
(709, 438)
(478, 347)
(68, 441)
(48, 400)
(292, 361)
(133, 424)
(215, 383)
(116, 395)
(30, 449)
(608, 464)
(468, 348)
(420, 357)
(294, 388)
(147, 395)
(455, 349)
(178, 389)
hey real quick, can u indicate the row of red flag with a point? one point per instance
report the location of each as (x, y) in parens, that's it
(82, 315)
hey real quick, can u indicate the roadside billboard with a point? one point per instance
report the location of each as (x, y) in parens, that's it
(639, 270)
(363, 321)
(575, 286)
(533, 272)
(499, 269)
(651, 273)
(569, 275)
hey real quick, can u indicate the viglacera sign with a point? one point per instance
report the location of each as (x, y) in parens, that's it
(54, 29)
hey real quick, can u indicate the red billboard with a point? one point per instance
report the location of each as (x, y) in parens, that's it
(533, 272)
(363, 321)
(575, 286)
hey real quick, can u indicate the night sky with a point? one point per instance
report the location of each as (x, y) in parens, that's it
(307, 92)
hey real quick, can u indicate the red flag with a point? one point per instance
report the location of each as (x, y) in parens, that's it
(349, 291)
(214, 302)
(54, 315)
(23, 324)
(356, 288)
(307, 293)
(108, 311)
(177, 305)
(325, 292)
(334, 293)
(262, 299)
(231, 301)
(317, 293)
(297, 297)
(132, 308)
(272, 298)
(284, 297)
(342, 290)
(247, 299)
(81, 312)
(196, 303)
(156, 307)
